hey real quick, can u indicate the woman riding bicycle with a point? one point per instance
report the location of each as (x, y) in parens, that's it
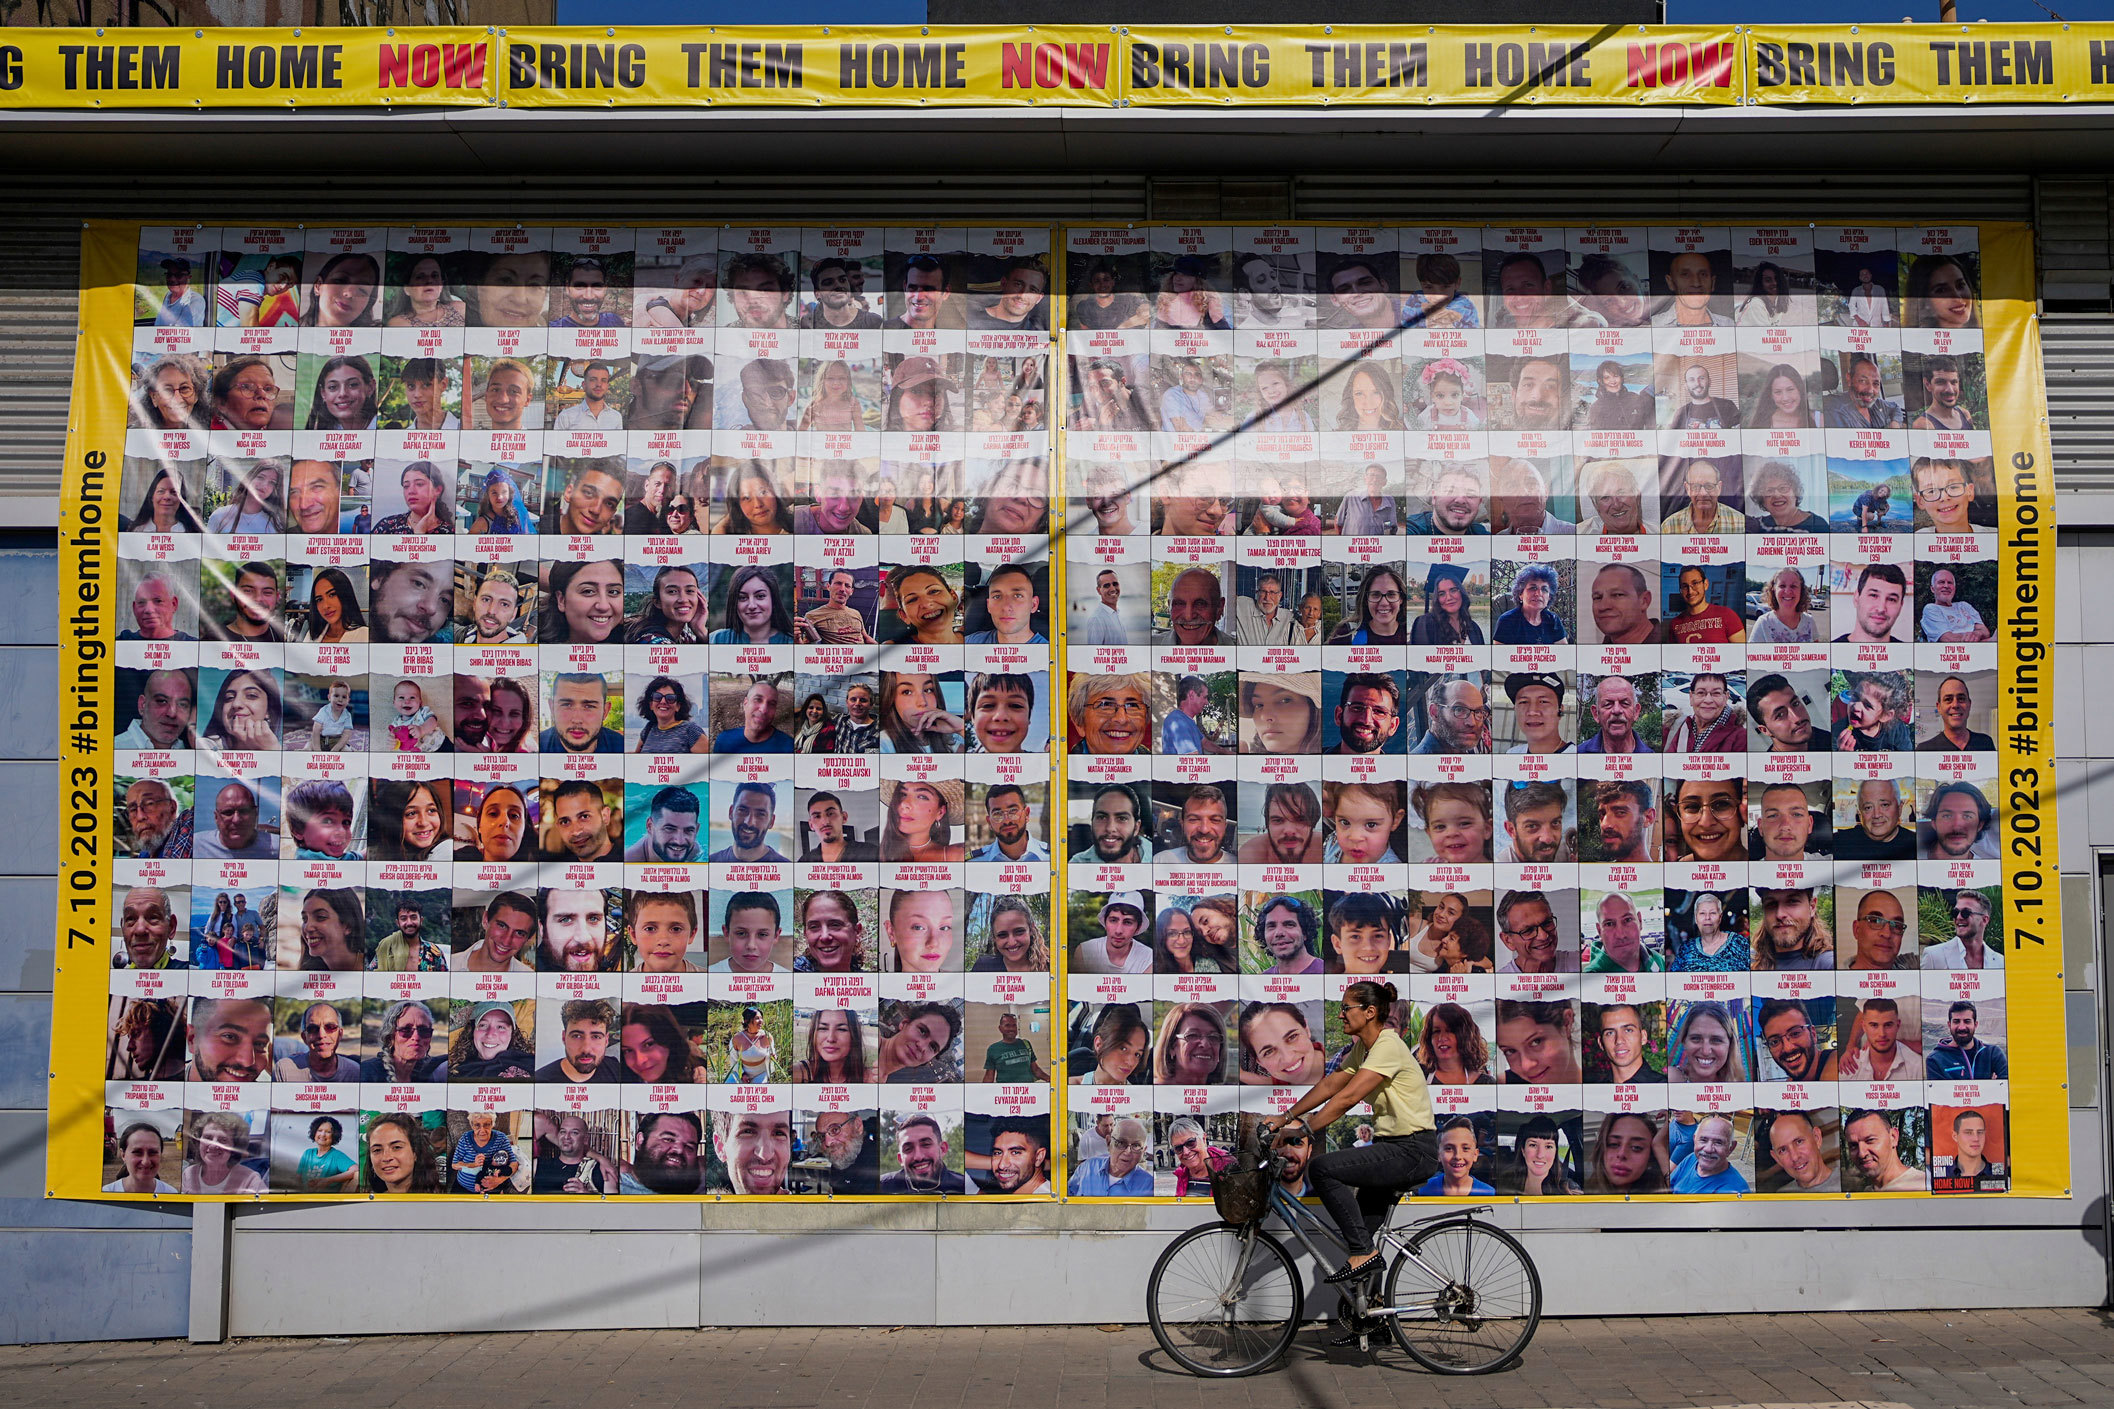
(1359, 1186)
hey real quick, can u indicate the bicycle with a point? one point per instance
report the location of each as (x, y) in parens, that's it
(1461, 1297)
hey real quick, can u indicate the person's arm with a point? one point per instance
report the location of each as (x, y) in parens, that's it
(1357, 1087)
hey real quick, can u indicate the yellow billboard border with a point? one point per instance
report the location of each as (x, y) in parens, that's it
(88, 507)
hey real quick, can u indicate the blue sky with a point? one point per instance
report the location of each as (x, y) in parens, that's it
(1677, 11)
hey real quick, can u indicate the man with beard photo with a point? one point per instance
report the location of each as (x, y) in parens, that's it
(921, 1154)
(1118, 837)
(1291, 834)
(848, 1141)
(576, 933)
(666, 1155)
(1368, 713)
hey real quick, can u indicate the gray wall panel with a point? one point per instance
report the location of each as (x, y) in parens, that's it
(497, 1281)
(30, 793)
(29, 696)
(97, 1286)
(29, 908)
(25, 1049)
(29, 584)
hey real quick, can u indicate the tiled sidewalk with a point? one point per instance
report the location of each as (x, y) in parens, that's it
(1938, 1360)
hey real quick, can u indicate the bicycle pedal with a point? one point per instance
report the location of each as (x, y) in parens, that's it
(1359, 1332)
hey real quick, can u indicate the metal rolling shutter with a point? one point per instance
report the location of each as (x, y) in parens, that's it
(1642, 198)
(40, 250)
(2078, 354)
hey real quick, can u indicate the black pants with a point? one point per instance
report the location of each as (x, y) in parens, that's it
(1359, 1186)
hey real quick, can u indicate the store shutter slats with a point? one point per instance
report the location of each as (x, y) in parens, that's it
(2075, 230)
(40, 245)
(2078, 355)
(1643, 199)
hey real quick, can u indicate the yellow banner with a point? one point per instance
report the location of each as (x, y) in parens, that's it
(2025, 733)
(781, 67)
(245, 68)
(1465, 64)
(89, 518)
(1083, 66)
(1931, 63)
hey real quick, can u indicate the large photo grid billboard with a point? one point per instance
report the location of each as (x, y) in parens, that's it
(1604, 635)
(573, 710)
(581, 713)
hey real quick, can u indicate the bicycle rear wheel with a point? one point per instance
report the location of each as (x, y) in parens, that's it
(1224, 1301)
(1483, 1293)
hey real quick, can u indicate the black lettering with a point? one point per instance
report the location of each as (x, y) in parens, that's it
(1879, 65)
(724, 66)
(1802, 64)
(1511, 65)
(694, 61)
(1768, 65)
(1255, 66)
(887, 66)
(227, 73)
(1144, 66)
(100, 63)
(550, 65)
(1942, 51)
(1475, 59)
(921, 65)
(1848, 60)
(521, 66)
(1407, 66)
(297, 66)
(2035, 59)
(781, 66)
(11, 68)
(2102, 51)
(1176, 58)
(598, 66)
(1974, 63)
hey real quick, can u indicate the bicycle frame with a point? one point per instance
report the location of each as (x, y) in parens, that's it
(1304, 1224)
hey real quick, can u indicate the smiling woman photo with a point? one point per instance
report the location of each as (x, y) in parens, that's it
(344, 398)
(585, 603)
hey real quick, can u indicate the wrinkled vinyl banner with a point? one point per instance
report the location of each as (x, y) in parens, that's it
(842, 711)
(1104, 66)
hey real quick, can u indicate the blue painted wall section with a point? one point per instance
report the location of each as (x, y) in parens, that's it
(102, 1272)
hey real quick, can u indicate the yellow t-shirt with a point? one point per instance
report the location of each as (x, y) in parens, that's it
(1402, 1105)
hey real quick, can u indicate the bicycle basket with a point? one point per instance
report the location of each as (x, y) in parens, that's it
(1241, 1191)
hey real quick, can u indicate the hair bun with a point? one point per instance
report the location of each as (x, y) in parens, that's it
(1392, 997)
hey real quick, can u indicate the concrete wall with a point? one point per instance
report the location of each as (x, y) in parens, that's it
(958, 1263)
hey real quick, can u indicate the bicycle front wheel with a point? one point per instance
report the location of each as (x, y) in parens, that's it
(1224, 1301)
(1473, 1298)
